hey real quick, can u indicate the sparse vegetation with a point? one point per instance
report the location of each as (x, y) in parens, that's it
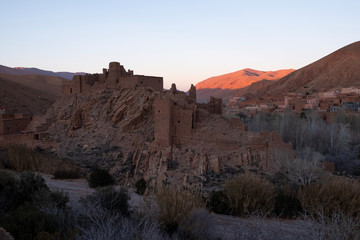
(109, 199)
(332, 195)
(21, 158)
(337, 141)
(250, 194)
(22, 199)
(175, 204)
(100, 178)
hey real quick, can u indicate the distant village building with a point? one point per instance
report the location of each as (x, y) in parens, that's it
(331, 94)
(353, 106)
(350, 90)
(312, 103)
(335, 108)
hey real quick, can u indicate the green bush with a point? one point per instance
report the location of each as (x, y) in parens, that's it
(219, 203)
(100, 178)
(140, 186)
(249, 193)
(332, 195)
(109, 199)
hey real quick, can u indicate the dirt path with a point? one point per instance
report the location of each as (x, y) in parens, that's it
(78, 188)
(75, 188)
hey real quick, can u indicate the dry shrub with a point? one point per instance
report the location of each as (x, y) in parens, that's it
(335, 194)
(175, 204)
(250, 194)
(21, 158)
(336, 227)
(4, 235)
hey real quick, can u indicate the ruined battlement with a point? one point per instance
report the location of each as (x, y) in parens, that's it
(116, 77)
(176, 115)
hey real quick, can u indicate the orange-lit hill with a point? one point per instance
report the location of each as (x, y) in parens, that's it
(224, 85)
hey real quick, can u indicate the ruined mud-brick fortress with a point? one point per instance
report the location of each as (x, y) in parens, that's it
(176, 114)
(116, 77)
(178, 118)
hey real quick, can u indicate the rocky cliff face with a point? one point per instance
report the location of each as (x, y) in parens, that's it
(114, 129)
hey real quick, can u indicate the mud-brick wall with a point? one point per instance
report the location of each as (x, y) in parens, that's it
(155, 83)
(127, 82)
(11, 126)
(182, 125)
(66, 87)
(163, 121)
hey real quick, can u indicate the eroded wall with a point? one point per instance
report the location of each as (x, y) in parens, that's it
(10, 124)
(163, 121)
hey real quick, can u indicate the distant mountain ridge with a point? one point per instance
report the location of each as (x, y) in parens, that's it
(30, 90)
(37, 71)
(18, 98)
(224, 86)
(332, 72)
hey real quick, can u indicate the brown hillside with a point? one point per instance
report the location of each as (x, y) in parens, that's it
(253, 90)
(17, 98)
(48, 84)
(332, 72)
(215, 86)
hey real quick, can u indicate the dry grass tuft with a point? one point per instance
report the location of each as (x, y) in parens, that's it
(175, 204)
(250, 194)
(21, 158)
(335, 194)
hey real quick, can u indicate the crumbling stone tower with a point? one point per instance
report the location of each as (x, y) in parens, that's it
(192, 94)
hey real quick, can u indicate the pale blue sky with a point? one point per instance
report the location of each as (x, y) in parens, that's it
(183, 41)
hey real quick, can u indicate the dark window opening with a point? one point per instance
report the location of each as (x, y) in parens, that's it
(159, 111)
(117, 80)
(178, 121)
(70, 90)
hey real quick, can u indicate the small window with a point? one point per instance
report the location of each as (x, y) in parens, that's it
(159, 111)
(70, 90)
(178, 121)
